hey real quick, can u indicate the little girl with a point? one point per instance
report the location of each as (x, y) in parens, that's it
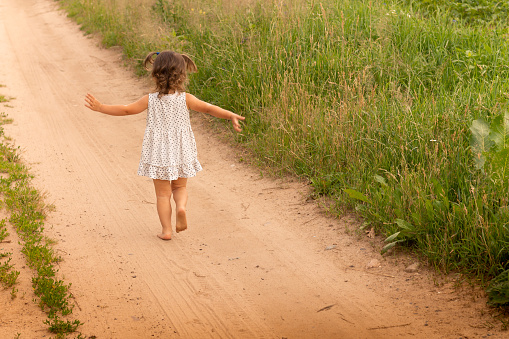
(169, 153)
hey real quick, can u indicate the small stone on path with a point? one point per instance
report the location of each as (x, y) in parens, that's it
(373, 263)
(412, 268)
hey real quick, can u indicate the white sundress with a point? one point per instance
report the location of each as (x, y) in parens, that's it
(169, 148)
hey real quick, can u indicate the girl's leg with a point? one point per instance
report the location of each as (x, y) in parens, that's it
(179, 191)
(163, 194)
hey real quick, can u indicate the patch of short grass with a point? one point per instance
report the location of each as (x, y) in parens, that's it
(27, 215)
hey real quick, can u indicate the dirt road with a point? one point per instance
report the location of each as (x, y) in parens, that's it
(257, 261)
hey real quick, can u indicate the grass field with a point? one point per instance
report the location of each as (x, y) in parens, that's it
(394, 109)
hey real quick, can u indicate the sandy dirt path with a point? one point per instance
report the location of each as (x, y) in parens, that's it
(254, 262)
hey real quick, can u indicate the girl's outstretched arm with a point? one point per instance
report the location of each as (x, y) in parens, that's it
(134, 108)
(204, 107)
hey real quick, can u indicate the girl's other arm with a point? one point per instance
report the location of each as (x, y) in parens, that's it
(118, 110)
(204, 107)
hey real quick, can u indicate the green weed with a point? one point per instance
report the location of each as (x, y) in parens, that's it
(53, 295)
(56, 325)
(8, 277)
(4, 233)
(14, 293)
(498, 291)
(492, 142)
(4, 119)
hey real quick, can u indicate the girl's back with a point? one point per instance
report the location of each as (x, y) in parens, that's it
(169, 147)
(167, 113)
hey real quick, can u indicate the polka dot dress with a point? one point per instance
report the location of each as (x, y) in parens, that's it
(169, 149)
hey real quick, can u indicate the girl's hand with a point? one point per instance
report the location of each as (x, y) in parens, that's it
(117, 110)
(198, 105)
(92, 103)
(235, 121)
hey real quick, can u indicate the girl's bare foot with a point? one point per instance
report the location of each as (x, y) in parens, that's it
(181, 220)
(164, 236)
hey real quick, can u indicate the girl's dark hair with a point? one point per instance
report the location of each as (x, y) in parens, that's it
(169, 70)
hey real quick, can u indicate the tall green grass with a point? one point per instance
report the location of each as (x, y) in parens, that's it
(369, 100)
(469, 11)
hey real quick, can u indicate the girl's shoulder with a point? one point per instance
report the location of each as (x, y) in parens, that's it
(169, 95)
(180, 96)
(176, 98)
